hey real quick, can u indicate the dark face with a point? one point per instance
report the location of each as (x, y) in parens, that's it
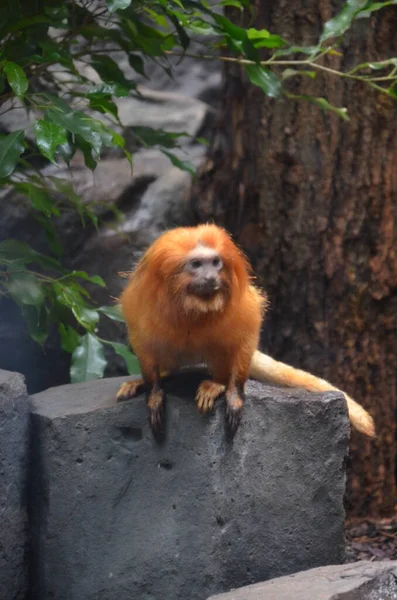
(204, 268)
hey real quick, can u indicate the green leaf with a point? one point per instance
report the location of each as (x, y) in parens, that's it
(48, 137)
(23, 23)
(103, 104)
(157, 137)
(137, 64)
(181, 164)
(307, 50)
(201, 27)
(88, 360)
(50, 233)
(86, 149)
(39, 198)
(91, 130)
(226, 26)
(66, 152)
(160, 20)
(264, 79)
(382, 64)
(152, 41)
(117, 139)
(392, 91)
(235, 3)
(343, 20)
(117, 4)
(323, 104)
(36, 321)
(113, 312)
(109, 71)
(22, 253)
(53, 52)
(261, 38)
(11, 148)
(183, 36)
(42, 201)
(58, 13)
(107, 89)
(70, 339)
(130, 359)
(368, 10)
(25, 288)
(65, 188)
(287, 73)
(69, 295)
(16, 251)
(91, 278)
(16, 78)
(27, 292)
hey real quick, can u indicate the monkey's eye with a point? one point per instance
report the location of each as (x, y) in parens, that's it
(195, 264)
(217, 263)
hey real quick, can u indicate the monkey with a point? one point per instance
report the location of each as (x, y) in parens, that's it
(190, 300)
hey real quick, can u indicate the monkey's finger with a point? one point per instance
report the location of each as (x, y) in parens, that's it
(207, 393)
(129, 389)
(234, 410)
(156, 413)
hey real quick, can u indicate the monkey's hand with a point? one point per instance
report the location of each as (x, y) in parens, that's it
(207, 393)
(129, 389)
(234, 409)
(155, 404)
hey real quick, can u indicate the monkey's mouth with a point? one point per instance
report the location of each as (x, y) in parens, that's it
(205, 291)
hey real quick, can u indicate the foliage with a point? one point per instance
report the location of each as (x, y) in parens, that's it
(44, 48)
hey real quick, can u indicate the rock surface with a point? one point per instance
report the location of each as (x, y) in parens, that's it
(115, 515)
(359, 581)
(14, 418)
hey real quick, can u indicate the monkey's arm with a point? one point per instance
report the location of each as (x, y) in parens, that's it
(265, 368)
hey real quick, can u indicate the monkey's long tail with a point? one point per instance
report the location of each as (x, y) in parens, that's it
(265, 368)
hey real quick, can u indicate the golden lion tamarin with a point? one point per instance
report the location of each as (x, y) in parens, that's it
(191, 300)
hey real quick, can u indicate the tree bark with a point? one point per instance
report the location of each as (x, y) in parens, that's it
(313, 201)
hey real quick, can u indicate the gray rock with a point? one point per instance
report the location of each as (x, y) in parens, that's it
(165, 110)
(115, 515)
(358, 581)
(14, 417)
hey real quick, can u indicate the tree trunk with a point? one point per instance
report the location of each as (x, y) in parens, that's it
(313, 202)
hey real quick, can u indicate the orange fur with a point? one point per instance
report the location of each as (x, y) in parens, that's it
(169, 328)
(175, 329)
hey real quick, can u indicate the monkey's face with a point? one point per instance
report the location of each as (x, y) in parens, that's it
(204, 270)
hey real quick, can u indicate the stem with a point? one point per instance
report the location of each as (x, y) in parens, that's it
(306, 62)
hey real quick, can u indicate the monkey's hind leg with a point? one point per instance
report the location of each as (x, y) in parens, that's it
(208, 391)
(234, 408)
(155, 402)
(130, 389)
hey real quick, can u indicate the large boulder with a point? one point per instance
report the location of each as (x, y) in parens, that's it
(358, 581)
(14, 419)
(116, 515)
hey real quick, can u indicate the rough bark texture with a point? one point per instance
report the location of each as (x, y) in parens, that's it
(313, 201)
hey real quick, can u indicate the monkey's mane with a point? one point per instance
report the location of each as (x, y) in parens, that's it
(168, 253)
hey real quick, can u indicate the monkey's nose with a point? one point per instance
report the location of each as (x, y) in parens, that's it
(211, 281)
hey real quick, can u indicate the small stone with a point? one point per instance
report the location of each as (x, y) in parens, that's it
(358, 581)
